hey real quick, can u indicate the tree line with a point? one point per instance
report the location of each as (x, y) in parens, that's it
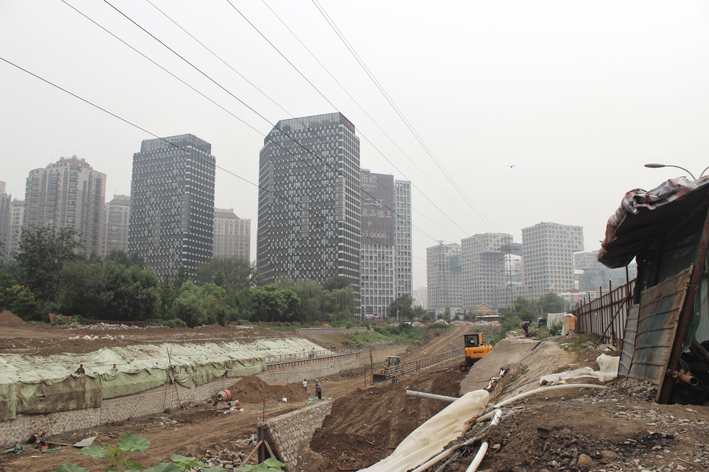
(50, 273)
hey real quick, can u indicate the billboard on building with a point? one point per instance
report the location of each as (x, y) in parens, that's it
(378, 205)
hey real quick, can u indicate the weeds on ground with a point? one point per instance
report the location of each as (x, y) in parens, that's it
(365, 337)
(580, 343)
(511, 377)
(438, 325)
(118, 459)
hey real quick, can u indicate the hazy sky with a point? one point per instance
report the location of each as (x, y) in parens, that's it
(577, 96)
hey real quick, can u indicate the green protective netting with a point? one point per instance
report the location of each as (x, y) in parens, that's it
(37, 384)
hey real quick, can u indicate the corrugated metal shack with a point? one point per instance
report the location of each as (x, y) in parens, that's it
(664, 320)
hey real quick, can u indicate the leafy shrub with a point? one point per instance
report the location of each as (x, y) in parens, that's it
(555, 328)
(118, 459)
(438, 326)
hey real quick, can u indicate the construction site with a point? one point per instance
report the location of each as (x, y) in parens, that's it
(166, 384)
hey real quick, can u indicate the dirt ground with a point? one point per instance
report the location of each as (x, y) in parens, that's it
(620, 428)
(44, 339)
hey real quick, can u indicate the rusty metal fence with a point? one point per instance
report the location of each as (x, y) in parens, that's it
(284, 363)
(423, 363)
(607, 314)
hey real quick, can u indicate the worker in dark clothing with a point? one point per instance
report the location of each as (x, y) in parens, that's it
(525, 327)
(318, 389)
(80, 370)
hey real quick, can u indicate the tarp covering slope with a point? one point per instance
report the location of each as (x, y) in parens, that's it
(430, 438)
(37, 384)
(608, 371)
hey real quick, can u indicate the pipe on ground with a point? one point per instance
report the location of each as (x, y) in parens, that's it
(444, 454)
(688, 379)
(430, 396)
(546, 389)
(478, 458)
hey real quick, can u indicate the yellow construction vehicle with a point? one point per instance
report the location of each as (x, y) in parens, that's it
(392, 370)
(474, 350)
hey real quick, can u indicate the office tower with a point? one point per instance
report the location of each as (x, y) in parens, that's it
(548, 256)
(444, 276)
(485, 269)
(403, 268)
(68, 193)
(421, 297)
(232, 235)
(17, 215)
(114, 233)
(5, 221)
(172, 204)
(309, 201)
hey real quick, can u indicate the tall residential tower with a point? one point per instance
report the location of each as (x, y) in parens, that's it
(172, 204)
(67, 193)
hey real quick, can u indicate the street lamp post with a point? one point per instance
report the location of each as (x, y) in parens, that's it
(658, 166)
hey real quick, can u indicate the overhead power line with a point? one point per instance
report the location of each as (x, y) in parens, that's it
(396, 109)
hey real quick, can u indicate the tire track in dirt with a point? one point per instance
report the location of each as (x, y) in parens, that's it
(450, 341)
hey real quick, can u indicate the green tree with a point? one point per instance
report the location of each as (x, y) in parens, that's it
(166, 299)
(41, 255)
(82, 290)
(219, 279)
(446, 314)
(402, 307)
(419, 312)
(311, 300)
(119, 256)
(188, 305)
(20, 301)
(214, 303)
(552, 303)
(181, 277)
(238, 272)
(335, 283)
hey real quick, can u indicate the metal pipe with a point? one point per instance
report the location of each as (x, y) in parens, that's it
(688, 379)
(546, 389)
(444, 454)
(431, 396)
(478, 458)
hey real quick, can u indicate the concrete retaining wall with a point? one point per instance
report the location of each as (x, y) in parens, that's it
(154, 401)
(322, 367)
(150, 402)
(293, 431)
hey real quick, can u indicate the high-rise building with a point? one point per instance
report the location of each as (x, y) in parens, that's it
(444, 276)
(594, 276)
(17, 215)
(485, 270)
(548, 256)
(232, 235)
(403, 264)
(68, 193)
(421, 297)
(5, 221)
(385, 268)
(114, 233)
(309, 201)
(172, 204)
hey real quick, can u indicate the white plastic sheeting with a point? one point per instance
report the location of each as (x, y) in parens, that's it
(608, 371)
(132, 358)
(430, 438)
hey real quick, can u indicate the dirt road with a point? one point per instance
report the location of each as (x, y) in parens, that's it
(451, 340)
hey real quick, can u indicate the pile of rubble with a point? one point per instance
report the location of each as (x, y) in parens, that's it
(230, 458)
(104, 326)
(89, 337)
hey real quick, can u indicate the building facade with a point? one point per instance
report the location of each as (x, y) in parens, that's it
(17, 215)
(232, 235)
(172, 204)
(5, 221)
(309, 201)
(385, 267)
(594, 276)
(485, 269)
(68, 193)
(114, 232)
(548, 255)
(444, 277)
(403, 264)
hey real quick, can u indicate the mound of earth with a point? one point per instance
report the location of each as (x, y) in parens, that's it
(255, 390)
(366, 425)
(7, 317)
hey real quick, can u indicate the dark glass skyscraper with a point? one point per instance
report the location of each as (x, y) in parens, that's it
(309, 201)
(172, 204)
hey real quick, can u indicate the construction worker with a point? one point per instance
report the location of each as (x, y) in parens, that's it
(305, 385)
(312, 353)
(156, 366)
(114, 368)
(80, 370)
(318, 389)
(525, 326)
